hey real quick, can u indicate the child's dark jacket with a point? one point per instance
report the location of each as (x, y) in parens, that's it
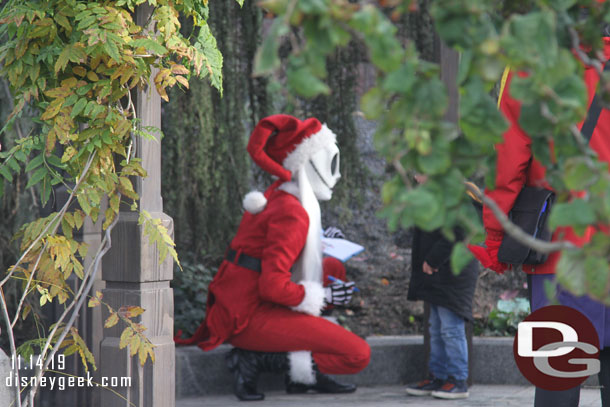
(443, 287)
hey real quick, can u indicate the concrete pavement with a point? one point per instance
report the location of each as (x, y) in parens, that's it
(391, 396)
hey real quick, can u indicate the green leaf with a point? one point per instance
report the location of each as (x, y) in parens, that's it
(577, 173)
(305, 83)
(71, 53)
(149, 44)
(266, 59)
(570, 272)
(78, 107)
(436, 162)
(373, 103)
(6, 173)
(460, 257)
(34, 163)
(113, 51)
(531, 39)
(38, 175)
(597, 271)
(206, 44)
(574, 213)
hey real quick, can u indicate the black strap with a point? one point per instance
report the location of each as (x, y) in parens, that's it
(245, 261)
(593, 114)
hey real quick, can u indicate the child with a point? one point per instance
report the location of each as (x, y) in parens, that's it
(450, 298)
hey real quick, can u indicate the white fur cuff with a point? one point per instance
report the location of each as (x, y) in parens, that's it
(301, 367)
(313, 302)
(254, 202)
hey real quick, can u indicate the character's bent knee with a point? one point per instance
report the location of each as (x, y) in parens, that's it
(362, 356)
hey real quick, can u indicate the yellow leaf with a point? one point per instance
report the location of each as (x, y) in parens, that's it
(79, 70)
(132, 311)
(68, 154)
(114, 202)
(51, 139)
(112, 320)
(61, 92)
(69, 82)
(78, 219)
(163, 93)
(93, 302)
(142, 354)
(134, 344)
(92, 76)
(26, 310)
(109, 215)
(83, 248)
(52, 110)
(72, 349)
(179, 69)
(126, 337)
(182, 80)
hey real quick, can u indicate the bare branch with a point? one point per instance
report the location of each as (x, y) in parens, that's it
(56, 219)
(11, 340)
(27, 287)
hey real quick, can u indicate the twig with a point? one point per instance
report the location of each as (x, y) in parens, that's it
(76, 305)
(80, 296)
(401, 170)
(57, 216)
(515, 231)
(27, 287)
(11, 339)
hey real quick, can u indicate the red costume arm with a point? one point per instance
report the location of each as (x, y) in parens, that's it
(513, 157)
(285, 238)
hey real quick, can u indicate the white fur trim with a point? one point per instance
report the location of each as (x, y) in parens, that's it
(311, 145)
(313, 301)
(254, 202)
(292, 188)
(309, 264)
(301, 367)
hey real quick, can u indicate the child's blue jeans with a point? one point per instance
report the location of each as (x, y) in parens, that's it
(448, 347)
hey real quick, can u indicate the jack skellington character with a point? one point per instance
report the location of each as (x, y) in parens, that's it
(254, 301)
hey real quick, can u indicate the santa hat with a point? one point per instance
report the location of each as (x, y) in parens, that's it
(282, 145)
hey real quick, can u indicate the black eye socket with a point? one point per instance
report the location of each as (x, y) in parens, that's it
(333, 164)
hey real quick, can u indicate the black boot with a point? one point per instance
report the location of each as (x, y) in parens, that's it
(323, 384)
(246, 366)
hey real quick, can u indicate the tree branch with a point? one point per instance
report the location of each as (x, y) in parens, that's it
(515, 231)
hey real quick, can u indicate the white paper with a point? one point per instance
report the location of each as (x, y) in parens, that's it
(341, 249)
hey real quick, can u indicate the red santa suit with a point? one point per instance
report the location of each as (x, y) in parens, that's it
(262, 308)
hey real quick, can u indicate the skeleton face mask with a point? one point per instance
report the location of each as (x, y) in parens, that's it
(322, 170)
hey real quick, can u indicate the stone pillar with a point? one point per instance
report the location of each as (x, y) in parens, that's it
(134, 276)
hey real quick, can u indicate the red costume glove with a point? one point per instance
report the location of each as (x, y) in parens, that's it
(488, 257)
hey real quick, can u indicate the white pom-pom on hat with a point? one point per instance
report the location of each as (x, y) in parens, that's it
(254, 202)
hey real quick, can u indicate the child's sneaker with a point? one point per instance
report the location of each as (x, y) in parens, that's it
(425, 387)
(452, 389)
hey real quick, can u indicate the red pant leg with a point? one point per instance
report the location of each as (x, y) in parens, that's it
(275, 328)
(332, 267)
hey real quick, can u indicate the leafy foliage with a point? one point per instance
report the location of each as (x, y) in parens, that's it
(77, 64)
(505, 317)
(546, 41)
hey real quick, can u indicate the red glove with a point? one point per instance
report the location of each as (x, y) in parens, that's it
(489, 256)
